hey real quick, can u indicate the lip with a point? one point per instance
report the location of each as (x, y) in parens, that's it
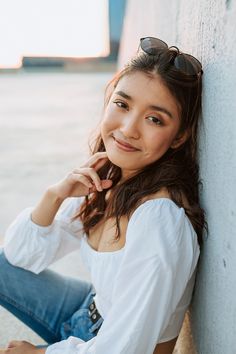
(124, 146)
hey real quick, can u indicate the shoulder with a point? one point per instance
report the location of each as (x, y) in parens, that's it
(156, 208)
(156, 211)
(159, 226)
(163, 193)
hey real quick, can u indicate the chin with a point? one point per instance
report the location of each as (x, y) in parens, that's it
(124, 164)
(116, 161)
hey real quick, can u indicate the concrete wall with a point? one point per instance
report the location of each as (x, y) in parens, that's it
(207, 29)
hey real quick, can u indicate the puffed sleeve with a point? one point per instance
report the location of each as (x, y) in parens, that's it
(34, 247)
(160, 256)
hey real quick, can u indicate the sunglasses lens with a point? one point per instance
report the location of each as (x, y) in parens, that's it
(187, 64)
(183, 62)
(152, 45)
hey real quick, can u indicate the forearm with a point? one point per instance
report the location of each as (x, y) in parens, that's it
(44, 213)
(76, 184)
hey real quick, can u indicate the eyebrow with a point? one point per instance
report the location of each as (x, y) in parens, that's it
(156, 108)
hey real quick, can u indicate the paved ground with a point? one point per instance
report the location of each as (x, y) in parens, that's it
(45, 122)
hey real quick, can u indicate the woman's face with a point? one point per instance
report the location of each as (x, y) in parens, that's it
(140, 122)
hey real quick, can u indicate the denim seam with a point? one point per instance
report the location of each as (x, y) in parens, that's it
(25, 310)
(82, 306)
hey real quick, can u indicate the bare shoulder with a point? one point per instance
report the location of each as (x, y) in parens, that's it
(163, 193)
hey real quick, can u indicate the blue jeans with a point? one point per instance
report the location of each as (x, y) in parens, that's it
(52, 305)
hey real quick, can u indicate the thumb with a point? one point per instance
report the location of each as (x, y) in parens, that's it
(106, 183)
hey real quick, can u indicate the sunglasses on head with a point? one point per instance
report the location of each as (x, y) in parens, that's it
(186, 63)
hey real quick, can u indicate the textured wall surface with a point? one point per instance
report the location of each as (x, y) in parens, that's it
(207, 29)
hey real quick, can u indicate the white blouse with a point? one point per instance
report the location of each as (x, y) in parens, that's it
(142, 290)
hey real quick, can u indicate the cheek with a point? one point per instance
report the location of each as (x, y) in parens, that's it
(105, 128)
(109, 122)
(157, 143)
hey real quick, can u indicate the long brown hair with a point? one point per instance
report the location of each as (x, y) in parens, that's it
(177, 170)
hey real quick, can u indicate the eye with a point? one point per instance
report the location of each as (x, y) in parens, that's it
(155, 120)
(121, 104)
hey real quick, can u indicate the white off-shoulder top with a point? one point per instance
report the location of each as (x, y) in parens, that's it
(142, 290)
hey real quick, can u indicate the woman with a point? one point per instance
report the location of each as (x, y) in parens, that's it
(134, 214)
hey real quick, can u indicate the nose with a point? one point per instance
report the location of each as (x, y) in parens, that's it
(130, 126)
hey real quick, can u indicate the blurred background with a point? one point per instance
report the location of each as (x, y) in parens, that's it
(56, 58)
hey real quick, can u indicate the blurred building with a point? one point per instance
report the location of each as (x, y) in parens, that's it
(116, 16)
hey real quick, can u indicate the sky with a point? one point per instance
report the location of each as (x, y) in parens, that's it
(58, 28)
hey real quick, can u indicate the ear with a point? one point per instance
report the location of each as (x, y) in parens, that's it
(179, 140)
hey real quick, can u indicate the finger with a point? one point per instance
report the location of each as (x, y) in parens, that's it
(106, 183)
(90, 172)
(97, 165)
(91, 188)
(78, 177)
(95, 158)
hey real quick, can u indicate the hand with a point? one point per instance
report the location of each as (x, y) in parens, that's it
(84, 180)
(22, 347)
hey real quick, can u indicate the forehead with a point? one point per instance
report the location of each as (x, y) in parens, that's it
(148, 90)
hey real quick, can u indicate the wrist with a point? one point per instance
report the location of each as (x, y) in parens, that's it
(53, 194)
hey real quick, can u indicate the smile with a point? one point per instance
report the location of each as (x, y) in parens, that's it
(124, 146)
